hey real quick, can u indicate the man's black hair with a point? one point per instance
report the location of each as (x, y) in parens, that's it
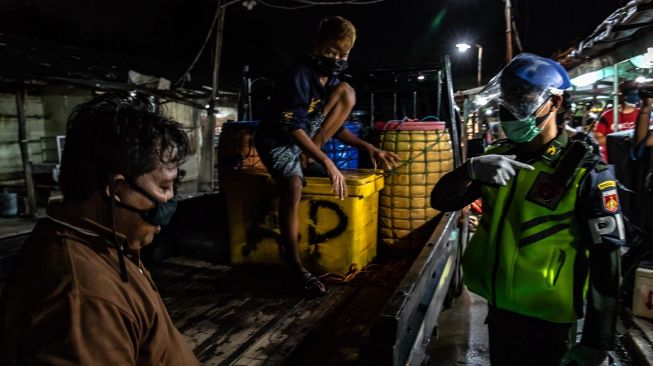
(117, 133)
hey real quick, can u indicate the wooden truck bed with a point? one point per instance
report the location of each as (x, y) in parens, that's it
(251, 316)
(248, 316)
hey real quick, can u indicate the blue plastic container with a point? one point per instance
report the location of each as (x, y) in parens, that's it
(344, 156)
(8, 204)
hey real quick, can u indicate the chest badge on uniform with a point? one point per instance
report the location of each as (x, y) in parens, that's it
(545, 191)
(610, 200)
(553, 151)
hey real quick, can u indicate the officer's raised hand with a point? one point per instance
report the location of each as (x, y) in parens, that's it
(495, 169)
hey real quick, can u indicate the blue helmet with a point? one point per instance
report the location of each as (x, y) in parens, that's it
(525, 84)
(538, 71)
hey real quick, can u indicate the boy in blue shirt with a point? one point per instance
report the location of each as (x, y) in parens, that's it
(311, 106)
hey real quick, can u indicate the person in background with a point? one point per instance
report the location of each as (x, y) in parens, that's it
(643, 136)
(79, 293)
(627, 113)
(565, 119)
(551, 228)
(310, 106)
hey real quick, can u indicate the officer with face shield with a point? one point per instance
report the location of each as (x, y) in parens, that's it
(546, 251)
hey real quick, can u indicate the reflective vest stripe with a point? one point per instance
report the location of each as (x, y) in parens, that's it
(543, 219)
(543, 234)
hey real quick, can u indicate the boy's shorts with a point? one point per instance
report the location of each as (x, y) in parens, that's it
(281, 157)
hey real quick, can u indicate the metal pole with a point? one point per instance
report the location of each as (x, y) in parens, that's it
(464, 128)
(250, 107)
(508, 13)
(372, 110)
(243, 96)
(24, 150)
(453, 124)
(480, 65)
(615, 98)
(414, 104)
(394, 97)
(438, 111)
(207, 156)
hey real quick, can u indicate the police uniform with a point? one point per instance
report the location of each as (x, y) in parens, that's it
(547, 241)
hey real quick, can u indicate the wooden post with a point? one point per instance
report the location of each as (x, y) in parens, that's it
(508, 13)
(207, 154)
(24, 150)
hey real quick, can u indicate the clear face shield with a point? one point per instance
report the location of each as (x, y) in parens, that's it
(521, 89)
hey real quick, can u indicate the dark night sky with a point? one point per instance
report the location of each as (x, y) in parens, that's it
(390, 33)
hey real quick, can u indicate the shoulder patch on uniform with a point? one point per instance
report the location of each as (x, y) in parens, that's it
(607, 184)
(606, 225)
(610, 200)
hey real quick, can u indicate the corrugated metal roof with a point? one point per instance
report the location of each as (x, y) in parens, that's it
(626, 26)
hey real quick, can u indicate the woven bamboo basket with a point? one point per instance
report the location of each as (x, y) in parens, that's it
(426, 155)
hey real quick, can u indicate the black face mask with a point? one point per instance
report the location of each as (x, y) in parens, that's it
(328, 66)
(159, 215)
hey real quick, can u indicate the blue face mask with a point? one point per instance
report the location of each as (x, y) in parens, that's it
(631, 97)
(160, 215)
(521, 131)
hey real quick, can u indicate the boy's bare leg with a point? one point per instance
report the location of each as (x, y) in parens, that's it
(290, 191)
(336, 110)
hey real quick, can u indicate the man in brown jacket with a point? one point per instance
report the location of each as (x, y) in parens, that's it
(79, 294)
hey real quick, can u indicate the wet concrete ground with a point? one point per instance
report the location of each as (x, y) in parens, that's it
(462, 334)
(463, 338)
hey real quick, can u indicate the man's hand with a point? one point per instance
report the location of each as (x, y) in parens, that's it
(580, 355)
(338, 184)
(495, 169)
(387, 158)
(646, 93)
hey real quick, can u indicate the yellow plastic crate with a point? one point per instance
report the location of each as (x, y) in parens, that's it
(336, 236)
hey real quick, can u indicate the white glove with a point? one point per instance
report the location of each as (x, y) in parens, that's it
(495, 169)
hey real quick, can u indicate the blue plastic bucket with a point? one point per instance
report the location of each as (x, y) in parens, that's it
(344, 156)
(8, 204)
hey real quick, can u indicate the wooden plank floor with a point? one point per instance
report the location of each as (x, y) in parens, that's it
(248, 316)
(238, 316)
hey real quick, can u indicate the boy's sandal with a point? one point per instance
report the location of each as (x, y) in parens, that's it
(310, 285)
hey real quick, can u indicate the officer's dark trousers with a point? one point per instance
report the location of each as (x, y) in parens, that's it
(520, 340)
